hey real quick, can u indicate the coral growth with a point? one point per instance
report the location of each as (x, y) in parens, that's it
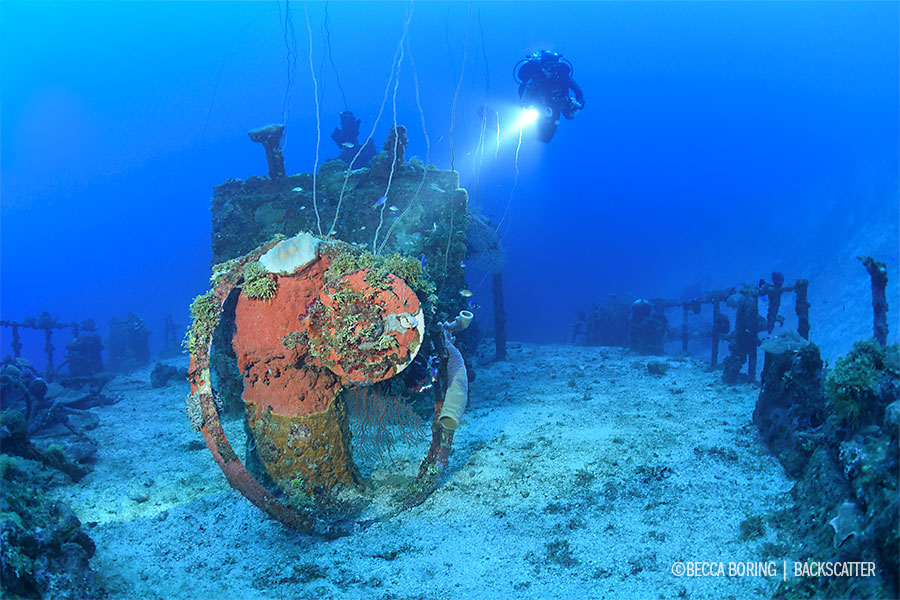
(344, 258)
(843, 452)
(648, 327)
(320, 325)
(432, 219)
(366, 326)
(204, 316)
(286, 390)
(258, 284)
(861, 381)
(44, 550)
(791, 406)
(324, 317)
(396, 143)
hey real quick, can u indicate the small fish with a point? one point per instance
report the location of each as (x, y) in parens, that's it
(348, 145)
(379, 202)
(466, 293)
(297, 189)
(462, 264)
(302, 208)
(392, 208)
(363, 228)
(433, 226)
(422, 263)
(474, 306)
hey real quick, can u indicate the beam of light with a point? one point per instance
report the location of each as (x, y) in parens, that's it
(518, 120)
(528, 117)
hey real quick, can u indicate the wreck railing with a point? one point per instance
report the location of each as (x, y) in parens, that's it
(745, 334)
(48, 325)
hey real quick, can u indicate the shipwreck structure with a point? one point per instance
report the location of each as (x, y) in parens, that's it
(333, 293)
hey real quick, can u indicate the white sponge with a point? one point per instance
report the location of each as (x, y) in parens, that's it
(289, 255)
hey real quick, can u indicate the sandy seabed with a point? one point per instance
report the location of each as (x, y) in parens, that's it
(575, 474)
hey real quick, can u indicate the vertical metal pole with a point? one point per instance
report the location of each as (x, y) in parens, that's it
(16, 342)
(715, 334)
(753, 336)
(499, 318)
(878, 272)
(48, 348)
(802, 307)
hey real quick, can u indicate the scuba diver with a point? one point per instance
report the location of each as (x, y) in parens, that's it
(545, 79)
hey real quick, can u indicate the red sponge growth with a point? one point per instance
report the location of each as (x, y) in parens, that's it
(366, 327)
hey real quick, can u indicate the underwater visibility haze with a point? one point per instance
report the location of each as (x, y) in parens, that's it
(449, 299)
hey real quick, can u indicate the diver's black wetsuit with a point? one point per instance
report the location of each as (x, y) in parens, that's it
(545, 82)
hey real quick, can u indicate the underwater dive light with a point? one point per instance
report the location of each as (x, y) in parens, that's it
(529, 117)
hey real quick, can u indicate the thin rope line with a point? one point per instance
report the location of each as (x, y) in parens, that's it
(290, 43)
(219, 76)
(312, 72)
(396, 147)
(513, 190)
(415, 197)
(456, 95)
(452, 126)
(447, 40)
(374, 126)
(337, 75)
(478, 167)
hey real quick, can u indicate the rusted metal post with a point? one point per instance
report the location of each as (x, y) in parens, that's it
(753, 336)
(684, 328)
(715, 334)
(774, 293)
(270, 137)
(49, 348)
(878, 272)
(16, 341)
(499, 318)
(801, 306)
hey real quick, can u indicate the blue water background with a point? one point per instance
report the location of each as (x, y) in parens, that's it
(719, 141)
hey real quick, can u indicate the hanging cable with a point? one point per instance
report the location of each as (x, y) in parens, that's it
(290, 44)
(312, 72)
(323, 74)
(394, 67)
(478, 166)
(462, 72)
(219, 76)
(447, 40)
(415, 197)
(337, 75)
(513, 190)
(487, 92)
(396, 146)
